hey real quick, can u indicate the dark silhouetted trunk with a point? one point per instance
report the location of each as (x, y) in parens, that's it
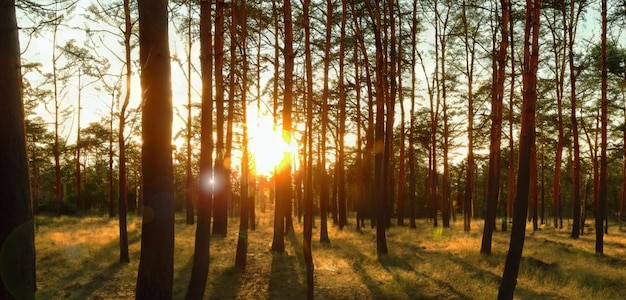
(308, 182)
(123, 198)
(499, 76)
(412, 165)
(340, 174)
(200, 268)
(156, 264)
(220, 178)
(245, 207)
(17, 231)
(324, 184)
(379, 131)
(189, 179)
(602, 191)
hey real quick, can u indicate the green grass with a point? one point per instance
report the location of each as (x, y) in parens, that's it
(77, 258)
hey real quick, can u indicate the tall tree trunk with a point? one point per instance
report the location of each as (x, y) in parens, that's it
(189, 181)
(200, 269)
(391, 90)
(442, 81)
(111, 200)
(341, 184)
(283, 180)
(360, 201)
(232, 85)
(434, 123)
(412, 166)
(469, 175)
(156, 265)
(571, 33)
(17, 232)
(511, 169)
(324, 184)
(602, 194)
(308, 183)
(402, 158)
(56, 150)
(220, 194)
(242, 242)
(531, 59)
(369, 131)
(493, 189)
(79, 203)
(379, 171)
(123, 195)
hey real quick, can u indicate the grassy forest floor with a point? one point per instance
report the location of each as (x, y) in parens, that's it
(77, 258)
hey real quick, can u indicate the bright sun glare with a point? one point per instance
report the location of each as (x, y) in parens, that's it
(266, 144)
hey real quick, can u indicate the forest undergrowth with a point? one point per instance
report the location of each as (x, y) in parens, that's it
(77, 258)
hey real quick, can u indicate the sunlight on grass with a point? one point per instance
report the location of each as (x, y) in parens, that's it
(77, 258)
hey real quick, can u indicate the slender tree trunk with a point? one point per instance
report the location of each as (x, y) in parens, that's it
(531, 59)
(341, 184)
(79, 203)
(469, 175)
(360, 201)
(283, 180)
(412, 166)
(324, 185)
(391, 90)
(123, 195)
(511, 169)
(200, 268)
(493, 189)
(232, 85)
(369, 131)
(17, 232)
(571, 33)
(602, 194)
(534, 187)
(434, 123)
(308, 186)
(242, 242)
(220, 178)
(287, 117)
(111, 200)
(402, 158)
(156, 265)
(56, 150)
(380, 180)
(189, 181)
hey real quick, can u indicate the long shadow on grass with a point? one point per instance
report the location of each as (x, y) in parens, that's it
(181, 280)
(95, 282)
(355, 258)
(412, 289)
(285, 280)
(227, 285)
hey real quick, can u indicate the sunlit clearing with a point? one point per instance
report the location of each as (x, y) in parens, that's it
(266, 145)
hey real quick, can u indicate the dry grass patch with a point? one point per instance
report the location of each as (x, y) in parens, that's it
(77, 258)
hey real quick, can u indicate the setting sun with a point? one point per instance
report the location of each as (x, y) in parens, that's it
(266, 144)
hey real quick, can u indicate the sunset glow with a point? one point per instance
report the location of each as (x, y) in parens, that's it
(266, 144)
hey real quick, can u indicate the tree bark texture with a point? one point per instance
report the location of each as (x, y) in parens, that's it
(156, 265)
(17, 232)
(518, 231)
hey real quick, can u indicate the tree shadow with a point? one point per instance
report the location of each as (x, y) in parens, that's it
(227, 285)
(181, 280)
(92, 284)
(285, 272)
(412, 288)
